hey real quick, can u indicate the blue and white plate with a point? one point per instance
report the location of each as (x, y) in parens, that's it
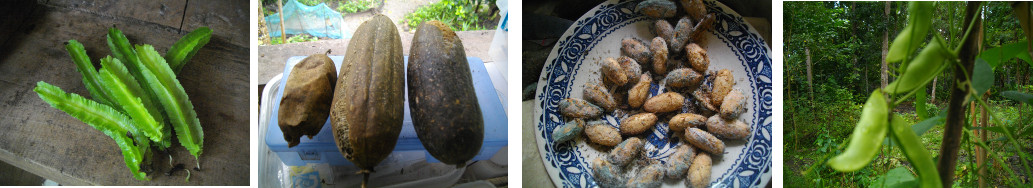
(733, 44)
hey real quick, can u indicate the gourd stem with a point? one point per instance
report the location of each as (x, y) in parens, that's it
(955, 111)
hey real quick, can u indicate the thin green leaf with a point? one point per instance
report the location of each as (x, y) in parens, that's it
(101, 117)
(173, 98)
(1018, 96)
(898, 177)
(187, 47)
(132, 105)
(997, 56)
(982, 76)
(89, 73)
(921, 127)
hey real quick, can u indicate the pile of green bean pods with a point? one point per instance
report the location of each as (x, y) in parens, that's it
(135, 96)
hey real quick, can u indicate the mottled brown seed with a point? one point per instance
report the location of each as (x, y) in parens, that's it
(702, 96)
(727, 129)
(733, 105)
(626, 151)
(699, 33)
(638, 123)
(603, 134)
(606, 174)
(307, 96)
(648, 177)
(664, 102)
(635, 49)
(568, 131)
(697, 56)
(578, 108)
(682, 32)
(600, 96)
(613, 73)
(694, 8)
(659, 48)
(722, 84)
(638, 94)
(631, 68)
(679, 162)
(704, 141)
(680, 122)
(699, 172)
(664, 29)
(683, 77)
(657, 8)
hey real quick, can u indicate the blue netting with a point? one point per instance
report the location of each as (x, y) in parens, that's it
(319, 21)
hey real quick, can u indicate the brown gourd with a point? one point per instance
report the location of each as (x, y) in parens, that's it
(368, 100)
(306, 98)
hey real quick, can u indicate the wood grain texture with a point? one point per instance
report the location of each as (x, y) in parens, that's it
(52, 144)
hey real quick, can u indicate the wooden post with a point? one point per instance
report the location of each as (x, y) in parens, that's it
(283, 31)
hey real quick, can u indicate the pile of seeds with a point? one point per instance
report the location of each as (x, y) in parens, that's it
(676, 59)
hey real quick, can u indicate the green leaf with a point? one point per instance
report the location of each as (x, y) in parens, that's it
(982, 76)
(898, 177)
(921, 127)
(997, 56)
(173, 98)
(89, 73)
(1018, 96)
(187, 47)
(101, 117)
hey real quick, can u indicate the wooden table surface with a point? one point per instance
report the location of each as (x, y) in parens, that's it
(52, 144)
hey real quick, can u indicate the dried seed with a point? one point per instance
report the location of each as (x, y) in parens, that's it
(702, 96)
(682, 31)
(578, 108)
(665, 102)
(659, 48)
(704, 141)
(606, 174)
(697, 57)
(603, 134)
(695, 8)
(679, 162)
(626, 151)
(600, 96)
(680, 122)
(699, 32)
(722, 84)
(568, 131)
(638, 94)
(727, 129)
(699, 172)
(635, 49)
(613, 73)
(631, 68)
(664, 29)
(638, 123)
(648, 177)
(733, 105)
(683, 77)
(657, 8)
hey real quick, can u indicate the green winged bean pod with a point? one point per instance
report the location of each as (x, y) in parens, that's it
(122, 95)
(173, 98)
(89, 73)
(867, 136)
(919, 20)
(911, 146)
(921, 70)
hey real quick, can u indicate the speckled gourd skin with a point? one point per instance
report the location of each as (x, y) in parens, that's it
(307, 96)
(368, 100)
(442, 100)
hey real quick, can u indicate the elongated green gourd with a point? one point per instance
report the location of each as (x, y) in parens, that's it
(922, 69)
(173, 98)
(867, 136)
(101, 117)
(124, 52)
(89, 73)
(912, 147)
(919, 20)
(131, 104)
(187, 47)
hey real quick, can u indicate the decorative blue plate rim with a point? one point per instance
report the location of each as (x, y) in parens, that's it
(752, 168)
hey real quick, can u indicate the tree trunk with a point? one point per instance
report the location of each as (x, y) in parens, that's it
(980, 152)
(956, 109)
(933, 97)
(885, 47)
(810, 80)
